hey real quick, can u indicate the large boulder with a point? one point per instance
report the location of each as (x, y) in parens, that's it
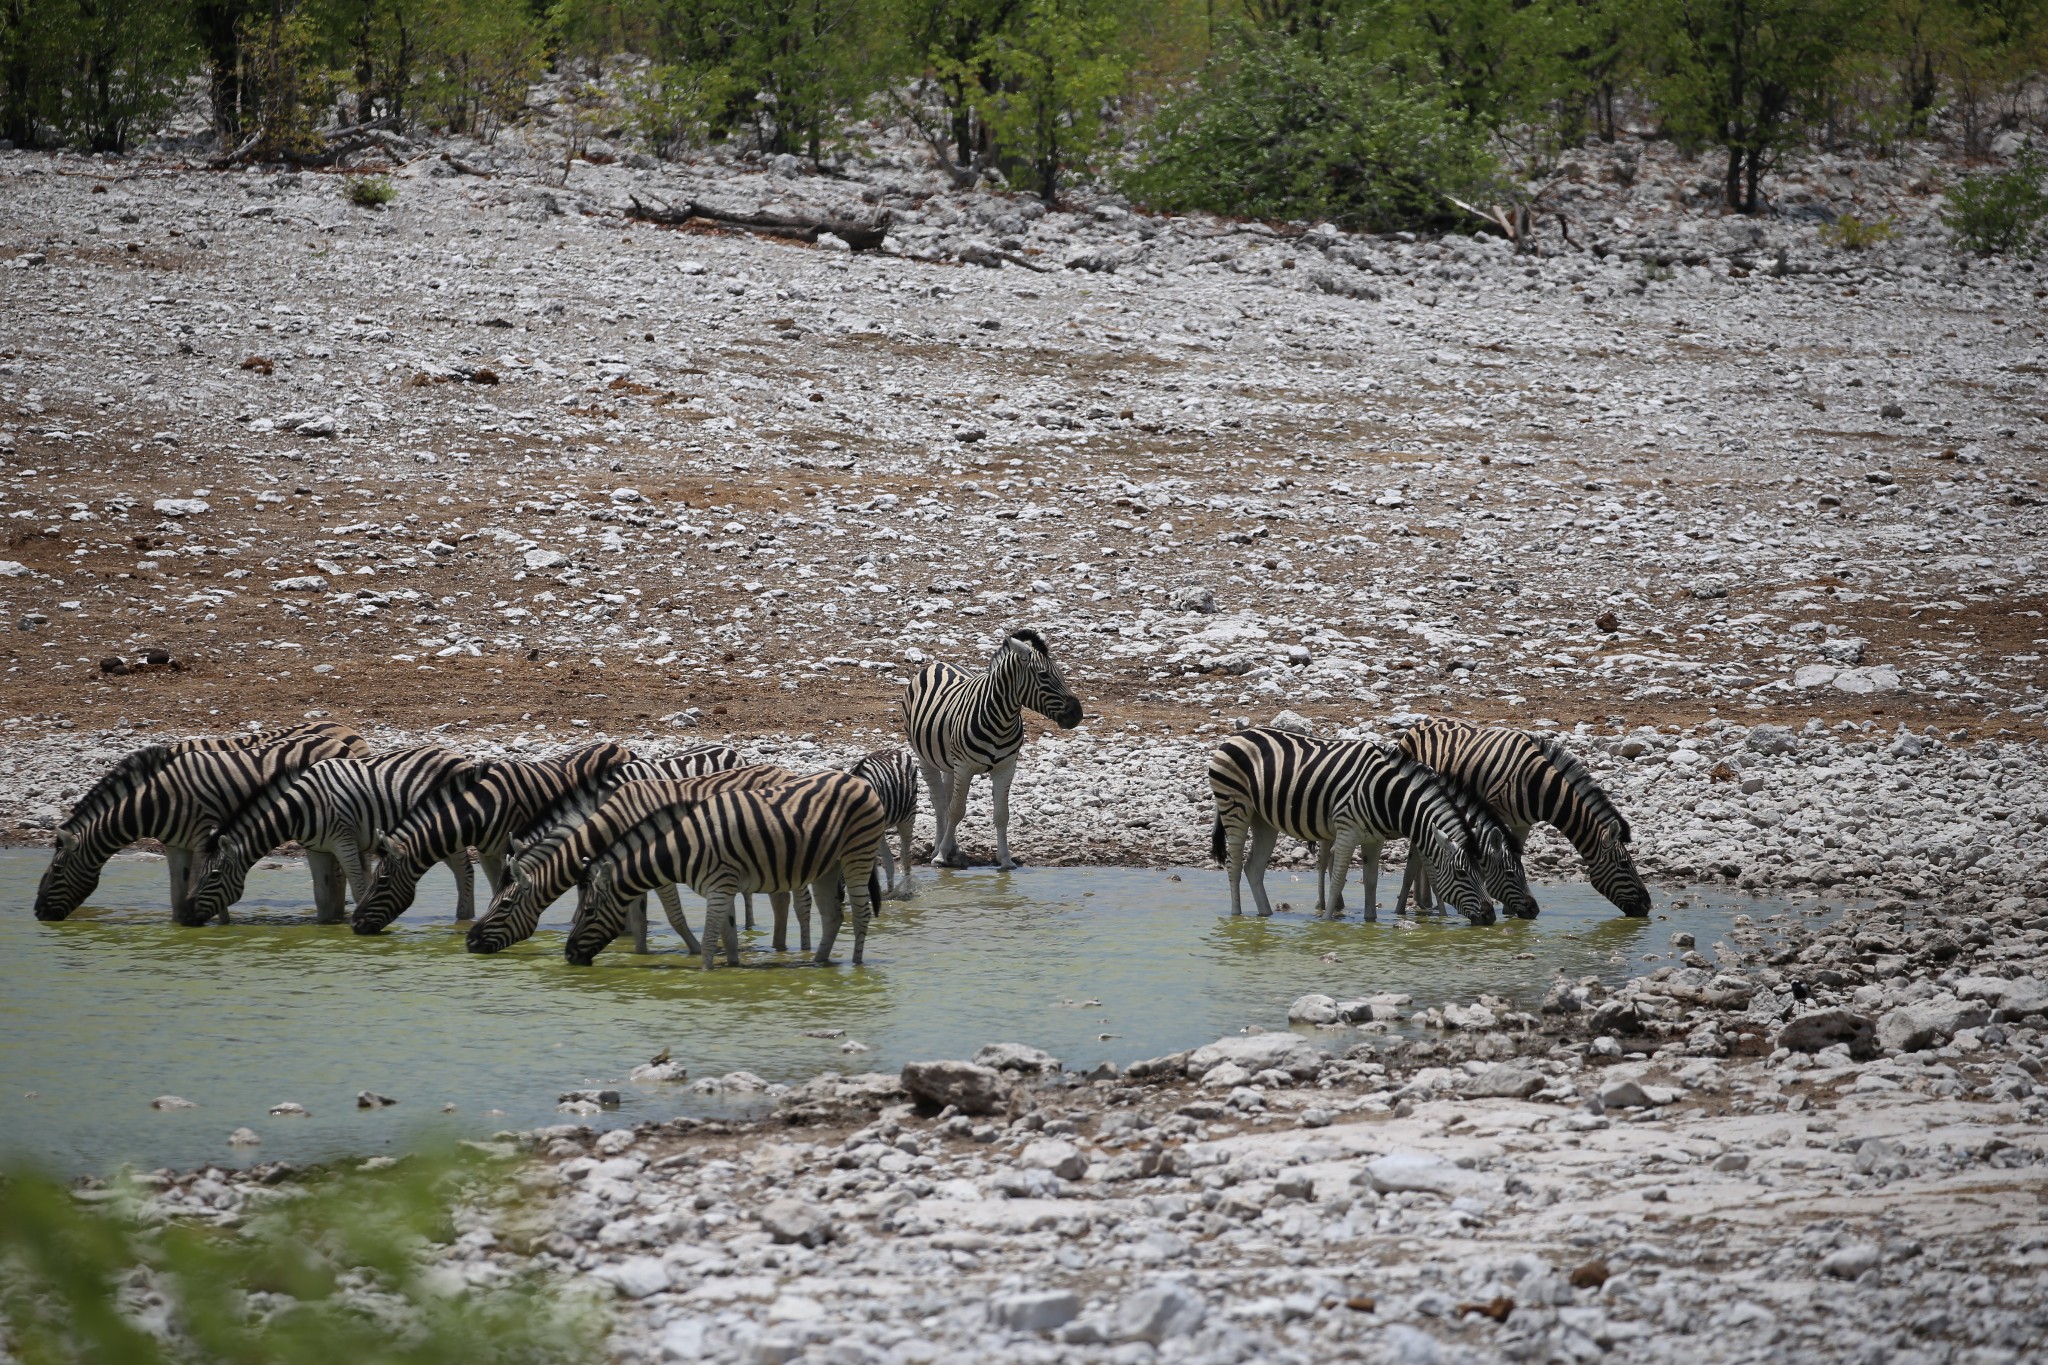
(1817, 1029)
(1258, 1052)
(1016, 1057)
(1159, 1311)
(1313, 1009)
(965, 1086)
(1502, 1082)
(1426, 1173)
(1928, 1023)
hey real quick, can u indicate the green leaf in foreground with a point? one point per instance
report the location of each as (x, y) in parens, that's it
(336, 1271)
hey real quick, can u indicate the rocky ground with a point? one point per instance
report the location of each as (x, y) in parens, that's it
(1755, 518)
(1820, 1146)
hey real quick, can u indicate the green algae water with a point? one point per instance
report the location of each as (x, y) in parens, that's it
(103, 1012)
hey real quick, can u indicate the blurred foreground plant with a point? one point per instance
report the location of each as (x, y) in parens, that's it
(332, 1271)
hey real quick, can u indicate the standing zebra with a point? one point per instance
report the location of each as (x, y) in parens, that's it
(509, 802)
(176, 794)
(698, 760)
(963, 724)
(335, 811)
(546, 869)
(1528, 779)
(720, 839)
(1340, 795)
(893, 775)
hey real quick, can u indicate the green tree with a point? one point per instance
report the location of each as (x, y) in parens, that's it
(1051, 77)
(948, 43)
(1748, 76)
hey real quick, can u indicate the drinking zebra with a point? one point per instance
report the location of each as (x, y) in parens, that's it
(177, 794)
(1500, 860)
(548, 868)
(893, 775)
(1531, 779)
(335, 811)
(819, 832)
(510, 802)
(1342, 795)
(963, 724)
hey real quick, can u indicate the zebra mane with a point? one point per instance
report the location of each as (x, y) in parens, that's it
(260, 804)
(133, 770)
(1583, 786)
(1411, 769)
(1032, 638)
(1477, 814)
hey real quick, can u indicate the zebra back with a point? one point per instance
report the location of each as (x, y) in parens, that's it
(179, 803)
(724, 838)
(506, 799)
(893, 775)
(1580, 789)
(547, 868)
(138, 767)
(696, 761)
(1290, 781)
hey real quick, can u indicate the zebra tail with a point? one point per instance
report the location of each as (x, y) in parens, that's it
(1216, 840)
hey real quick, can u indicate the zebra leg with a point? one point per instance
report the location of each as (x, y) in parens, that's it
(329, 889)
(1004, 773)
(1233, 859)
(1336, 862)
(901, 892)
(465, 895)
(934, 787)
(888, 862)
(957, 788)
(748, 897)
(348, 849)
(800, 899)
(718, 928)
(1370, 881)
(636, 920)
(1263, 837)
(1322, 851)
(1407, 885)
(825, 891)
(494, 869)
(779, 902)
(855, 884)
(179, 865)
(672, 906)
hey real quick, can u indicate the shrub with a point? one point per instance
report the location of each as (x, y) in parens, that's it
(1851, 233)
(2001, 214)
(1281, 132)
(325, 1274)
(369, 191)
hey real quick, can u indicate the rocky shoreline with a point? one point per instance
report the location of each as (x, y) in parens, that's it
(1811, 1146)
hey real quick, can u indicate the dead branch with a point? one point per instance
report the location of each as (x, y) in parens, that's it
(860, 234)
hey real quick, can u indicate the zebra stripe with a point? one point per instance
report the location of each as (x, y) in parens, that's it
(819, 832)
(1535, 779)
(544, 871)
(334, 810)
(510, 801)
(1344, 795)
(178, 795)
(963, 724)
(893, 775)
(1500, 859)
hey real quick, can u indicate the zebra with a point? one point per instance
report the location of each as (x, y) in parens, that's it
(1531, 779)
(510, 801)
(893, 775)
(176, 794)
(820, 832)
(1339, 795)
(1500, 859)
(336, 809)
(549, 867)
(963, 724)
(698, 760)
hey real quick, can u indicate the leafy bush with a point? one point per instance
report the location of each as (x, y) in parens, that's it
(1280, 132)
(1855, 234)
(329, 1274)
(2005, 213)
(369, 191)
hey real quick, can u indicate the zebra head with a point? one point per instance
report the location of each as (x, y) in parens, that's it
(493, 933)
(1500, 869)
(1613, 874)
(1043, 689)
(394, 880)
(1458, 881)
(227, 872)
(600, 915)
(72, 875)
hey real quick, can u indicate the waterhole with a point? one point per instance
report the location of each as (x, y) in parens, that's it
(115, 1006)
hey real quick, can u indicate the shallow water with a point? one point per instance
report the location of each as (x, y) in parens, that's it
(103, 1012)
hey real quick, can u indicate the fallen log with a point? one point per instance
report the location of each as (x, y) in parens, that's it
(862, 234)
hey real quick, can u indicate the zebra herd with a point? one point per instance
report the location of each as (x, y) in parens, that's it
(615, 827)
